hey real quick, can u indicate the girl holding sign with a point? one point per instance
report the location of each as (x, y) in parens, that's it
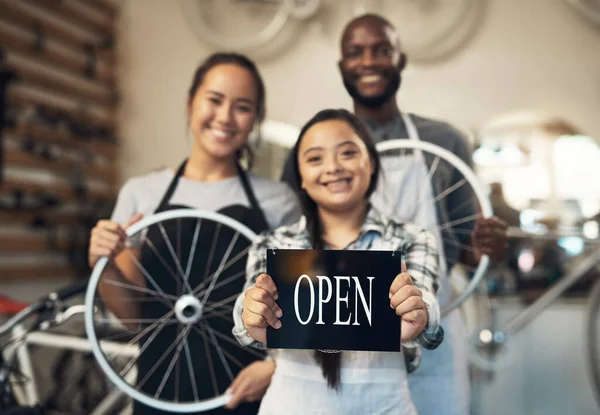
(336, 170)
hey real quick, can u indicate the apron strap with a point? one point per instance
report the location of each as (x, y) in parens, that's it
(251, 197)
(245, 184)
(172, 186)
(410, 126)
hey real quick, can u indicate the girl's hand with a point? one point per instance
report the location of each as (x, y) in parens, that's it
(406, 299)
(251, 383)
(260, 308)
(108, 239)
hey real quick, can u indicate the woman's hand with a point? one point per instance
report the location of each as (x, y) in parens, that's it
(108, 239)
(407, 300)
(251, 383)
(260, 308)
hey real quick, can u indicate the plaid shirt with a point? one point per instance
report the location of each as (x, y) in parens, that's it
(419, 252)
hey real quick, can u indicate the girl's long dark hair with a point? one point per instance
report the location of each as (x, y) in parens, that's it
(330, 362)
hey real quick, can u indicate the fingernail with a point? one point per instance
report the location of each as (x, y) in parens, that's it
(390, 296)
(278, 313)
(276, 297)
(278, 324)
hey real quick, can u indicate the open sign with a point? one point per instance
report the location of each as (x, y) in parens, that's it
(334, 299)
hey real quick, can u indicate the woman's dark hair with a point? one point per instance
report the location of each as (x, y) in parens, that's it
(242, 61)
(330, 362)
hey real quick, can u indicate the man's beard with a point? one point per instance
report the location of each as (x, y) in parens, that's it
(377, 101)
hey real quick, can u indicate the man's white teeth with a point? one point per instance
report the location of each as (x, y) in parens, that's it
(370, 78)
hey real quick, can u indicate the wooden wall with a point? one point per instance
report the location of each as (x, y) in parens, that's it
(58, 133)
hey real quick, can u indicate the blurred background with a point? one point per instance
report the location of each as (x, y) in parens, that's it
(94, 92)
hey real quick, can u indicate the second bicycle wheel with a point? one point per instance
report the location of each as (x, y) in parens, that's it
(408, 198)
(176, 310)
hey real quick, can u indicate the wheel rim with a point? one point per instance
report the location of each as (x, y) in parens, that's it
(190, 312)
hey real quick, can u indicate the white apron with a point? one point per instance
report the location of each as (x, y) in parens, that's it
(440, 385)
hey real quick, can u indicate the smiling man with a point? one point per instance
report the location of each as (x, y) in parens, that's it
(371, 65)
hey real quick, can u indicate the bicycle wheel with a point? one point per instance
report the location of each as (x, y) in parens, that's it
(186, 306)
(453, 229)
(230, 24)
(451, 25)
(593, 339)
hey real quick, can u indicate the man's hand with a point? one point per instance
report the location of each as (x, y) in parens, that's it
(490, 237)
(251, 383)
(407, 300)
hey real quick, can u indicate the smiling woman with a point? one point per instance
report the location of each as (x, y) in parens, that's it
(226, 101)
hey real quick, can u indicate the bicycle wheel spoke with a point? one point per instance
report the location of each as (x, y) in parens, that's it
(224, 314)
(433, 168)
(192, 250)
(191, 371)
(442, 194)
(137, 299)
(460, 206)
(164, 263)
(211, 368)
(128, 333)
(226, 267)
(212, 252)
(451, 189)
(174, 256)
(161, 359)
(219, 270)
(133, 320)
(220, 303)
(466, 219)
(177, 369)
(228, 355)
(453, 242)
(173, 360)
(211, 305)
(235, 343)
(137, 338)
(217, 346)
(458, 231)
(149, 278)
(225, 282)
(157, 294)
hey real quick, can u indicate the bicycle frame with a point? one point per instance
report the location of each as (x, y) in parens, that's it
(28, 394)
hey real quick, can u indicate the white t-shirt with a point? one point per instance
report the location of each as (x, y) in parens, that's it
(142, 194)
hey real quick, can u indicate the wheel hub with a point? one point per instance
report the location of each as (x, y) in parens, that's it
(188, 309)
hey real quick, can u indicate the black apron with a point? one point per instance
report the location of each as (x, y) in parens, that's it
(180, 232)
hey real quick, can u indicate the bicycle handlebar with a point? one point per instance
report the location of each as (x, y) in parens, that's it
(45, 303)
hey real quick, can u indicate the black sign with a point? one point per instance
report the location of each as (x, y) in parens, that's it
(334, 299)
